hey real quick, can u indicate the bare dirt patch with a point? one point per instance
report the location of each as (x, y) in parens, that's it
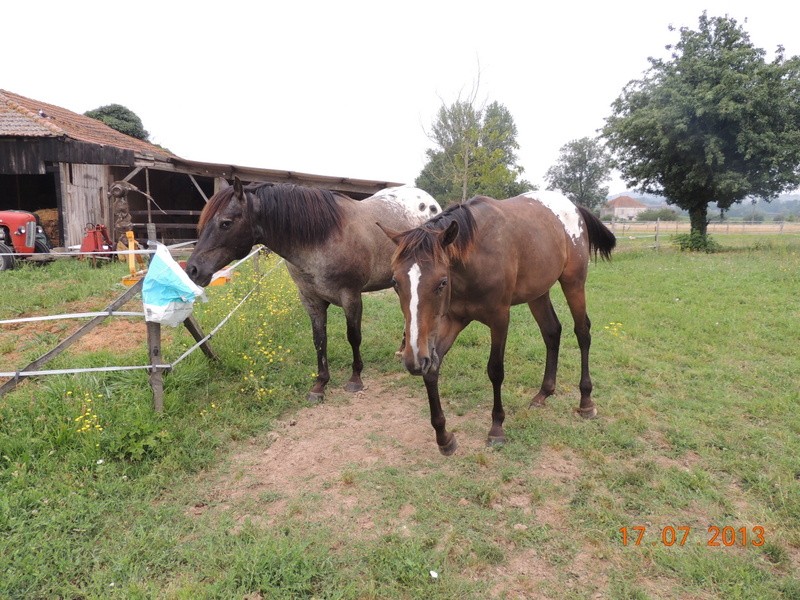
(558, 466)
(316, 451)
(115, 335)
(307, 465)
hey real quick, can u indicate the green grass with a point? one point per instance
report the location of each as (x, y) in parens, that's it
(694, 362)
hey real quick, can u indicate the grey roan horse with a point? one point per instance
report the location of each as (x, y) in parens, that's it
(333, 248)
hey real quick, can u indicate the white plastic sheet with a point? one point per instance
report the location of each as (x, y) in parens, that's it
(168, 294)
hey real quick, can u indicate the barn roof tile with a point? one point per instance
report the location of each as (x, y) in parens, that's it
(24, 117)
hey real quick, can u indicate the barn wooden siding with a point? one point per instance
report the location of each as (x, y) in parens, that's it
(84, 200)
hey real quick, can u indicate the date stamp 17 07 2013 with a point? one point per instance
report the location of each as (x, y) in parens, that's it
(723, 537)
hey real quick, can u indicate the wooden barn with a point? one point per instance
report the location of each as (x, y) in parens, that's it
(57, 162)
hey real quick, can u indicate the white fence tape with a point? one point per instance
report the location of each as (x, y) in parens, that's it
(225, 320)
(164, 367)
(108, 313)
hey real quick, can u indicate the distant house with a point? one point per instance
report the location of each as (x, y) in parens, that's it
(56, 161)
(624, 208)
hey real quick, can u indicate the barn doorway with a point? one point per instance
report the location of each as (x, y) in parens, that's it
(35, 194)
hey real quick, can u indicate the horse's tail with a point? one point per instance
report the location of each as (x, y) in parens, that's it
(601, 238)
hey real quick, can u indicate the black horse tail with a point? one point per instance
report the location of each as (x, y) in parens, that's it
(601, 238)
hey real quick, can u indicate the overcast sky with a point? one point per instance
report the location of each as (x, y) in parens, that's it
(349, 88)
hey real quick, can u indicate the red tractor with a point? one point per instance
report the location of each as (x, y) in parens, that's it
(20, 235)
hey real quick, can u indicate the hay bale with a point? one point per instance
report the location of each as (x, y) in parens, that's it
(48, 219)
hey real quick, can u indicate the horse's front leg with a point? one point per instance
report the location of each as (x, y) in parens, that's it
(496, 371)
(444, 439)
(448, 330)
(318, 313)
(353, 309)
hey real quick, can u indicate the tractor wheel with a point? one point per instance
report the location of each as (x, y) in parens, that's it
(7, 261)
(40, 247)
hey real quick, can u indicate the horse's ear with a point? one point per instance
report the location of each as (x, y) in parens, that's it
(238, 190)
(391, 233)
(448, 236)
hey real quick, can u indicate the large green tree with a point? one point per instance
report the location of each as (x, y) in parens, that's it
(475, 154)
(583, 167)
(120, 118)
(715, 123)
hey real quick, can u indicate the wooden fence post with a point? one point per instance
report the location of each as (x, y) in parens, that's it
(658, 226)
(156, 372)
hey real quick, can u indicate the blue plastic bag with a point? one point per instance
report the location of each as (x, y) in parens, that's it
(168, 294)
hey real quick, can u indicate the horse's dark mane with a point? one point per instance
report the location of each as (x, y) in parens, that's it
(285, 212)
(422, 243)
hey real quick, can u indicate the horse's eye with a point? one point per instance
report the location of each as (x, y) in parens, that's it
(225, 225)
(442, 285)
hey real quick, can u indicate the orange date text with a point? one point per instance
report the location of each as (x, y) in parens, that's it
(715, 536)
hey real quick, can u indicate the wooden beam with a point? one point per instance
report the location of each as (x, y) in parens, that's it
(194, 328)
(199, 189)
(132, 174)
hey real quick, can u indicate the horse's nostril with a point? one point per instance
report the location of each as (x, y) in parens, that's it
(191, 270)
(425, 364)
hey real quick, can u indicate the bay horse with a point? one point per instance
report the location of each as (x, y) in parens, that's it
(332, 248)
(472, 263)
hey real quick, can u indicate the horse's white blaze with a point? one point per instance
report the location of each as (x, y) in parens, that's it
(414, 274)
(563, 208)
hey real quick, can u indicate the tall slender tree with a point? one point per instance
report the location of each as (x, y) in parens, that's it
(475, 153)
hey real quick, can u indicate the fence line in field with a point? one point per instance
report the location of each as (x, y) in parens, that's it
(641, 230)
(15, 375)
(229, 315)
(73, 251)
(626, 227)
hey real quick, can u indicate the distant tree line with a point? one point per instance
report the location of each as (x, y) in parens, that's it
(713, 125)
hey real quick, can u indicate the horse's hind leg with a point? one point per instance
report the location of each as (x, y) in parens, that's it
(576, 299)
(545, 315)
(496, 371)
(352, 311)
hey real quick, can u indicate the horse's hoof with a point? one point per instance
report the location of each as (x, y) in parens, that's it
(539, 400)
(315, 397)
(494, 441)
(450, 447)
(589, 412)
(353, 386)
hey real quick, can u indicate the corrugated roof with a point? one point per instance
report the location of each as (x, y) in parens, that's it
(625, 202)
(24, 117)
